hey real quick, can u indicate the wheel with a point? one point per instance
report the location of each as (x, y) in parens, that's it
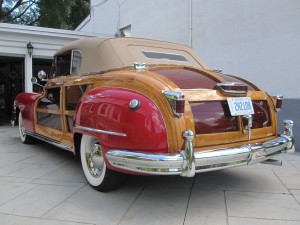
(98, 175)
(25, 138)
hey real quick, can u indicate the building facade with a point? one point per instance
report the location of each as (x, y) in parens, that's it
(255, 39)
(17, 66)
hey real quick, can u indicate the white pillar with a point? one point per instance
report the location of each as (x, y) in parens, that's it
(28, 73)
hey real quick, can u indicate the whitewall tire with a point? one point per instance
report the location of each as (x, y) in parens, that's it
(25, 138)
(93, 164)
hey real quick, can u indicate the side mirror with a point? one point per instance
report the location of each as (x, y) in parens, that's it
(42, 75)
(35, 81)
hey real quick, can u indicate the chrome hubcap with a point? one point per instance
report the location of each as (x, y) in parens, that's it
(94, 160)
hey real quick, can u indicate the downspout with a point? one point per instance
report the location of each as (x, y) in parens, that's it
(93, 16)
(191, 25)
(119, 18)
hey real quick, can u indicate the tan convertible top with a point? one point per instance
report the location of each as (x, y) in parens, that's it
(99, 54)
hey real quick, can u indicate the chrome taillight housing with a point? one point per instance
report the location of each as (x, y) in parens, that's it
(277, 100)
(176, 101)
(232, 88)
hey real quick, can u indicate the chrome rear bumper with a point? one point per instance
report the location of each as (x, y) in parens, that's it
(188, 162)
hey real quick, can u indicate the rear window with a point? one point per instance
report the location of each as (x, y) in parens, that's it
(165, 56)
(169, 55)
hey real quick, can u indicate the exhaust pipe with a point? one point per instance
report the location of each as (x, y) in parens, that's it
(273, 162)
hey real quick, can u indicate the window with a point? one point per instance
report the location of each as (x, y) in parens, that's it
(63, 64)
(50, 117)
(76, 62)
(73, 95)
(68, 63)
(51, 100)
(165, 56)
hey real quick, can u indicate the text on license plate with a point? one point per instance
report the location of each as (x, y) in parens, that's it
(240, 106)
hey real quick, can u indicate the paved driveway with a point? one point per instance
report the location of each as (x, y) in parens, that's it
(41, 184)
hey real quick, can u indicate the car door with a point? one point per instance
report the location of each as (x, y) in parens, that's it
(55, 109)
(48, 112)
(72, 94)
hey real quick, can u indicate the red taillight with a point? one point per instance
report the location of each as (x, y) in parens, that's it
(177, 102)
(232, 88)
(180, 106)
(279, 102)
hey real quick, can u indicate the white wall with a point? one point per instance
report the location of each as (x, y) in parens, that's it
(104, 18)
(164, 20)
(255, 39)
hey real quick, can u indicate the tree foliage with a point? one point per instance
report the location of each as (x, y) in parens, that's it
(63, 14)
(19, 11)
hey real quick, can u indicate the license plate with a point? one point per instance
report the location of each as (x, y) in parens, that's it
(240, 106)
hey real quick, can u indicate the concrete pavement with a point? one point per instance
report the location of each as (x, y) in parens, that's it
(44, 185)
(41, 184)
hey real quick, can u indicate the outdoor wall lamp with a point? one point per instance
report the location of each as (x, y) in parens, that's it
(29, 48)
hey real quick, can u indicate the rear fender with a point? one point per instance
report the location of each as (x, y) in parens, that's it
(107, 110)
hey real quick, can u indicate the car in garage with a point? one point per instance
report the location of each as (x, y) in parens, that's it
(147, 107)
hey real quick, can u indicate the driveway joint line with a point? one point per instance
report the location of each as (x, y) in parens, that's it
(226, 208)
(42, 216)
(129, 207)
(189, 198)
(46, 219)
(35, 186)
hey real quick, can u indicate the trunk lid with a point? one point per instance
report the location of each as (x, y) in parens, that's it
(208, 111)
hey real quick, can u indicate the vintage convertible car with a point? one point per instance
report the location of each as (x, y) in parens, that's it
(146, 107)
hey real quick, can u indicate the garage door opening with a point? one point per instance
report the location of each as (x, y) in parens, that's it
(11, 84)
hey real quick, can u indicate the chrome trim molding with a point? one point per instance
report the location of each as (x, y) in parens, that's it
(139, 66)
(172, 97)
(50, 141)
(219, 86)
(100, 131)
(188, 162)
(217, 70)
(146, 163)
